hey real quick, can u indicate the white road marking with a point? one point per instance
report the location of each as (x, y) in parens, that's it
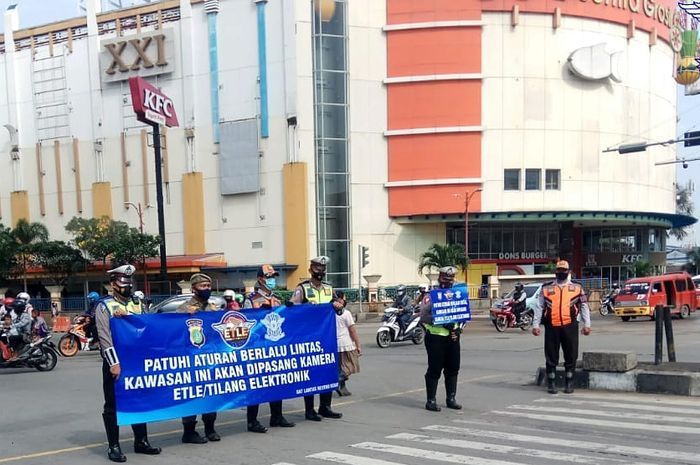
(429, 454)
(349, 459)
(504, 449)
(624, 406)
(603, 413)
(570, 443)
(635, 397)
(597, 422)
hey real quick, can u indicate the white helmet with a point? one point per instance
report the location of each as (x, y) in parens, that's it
(423, 288)
(139, 295)
(229, 293)
(24, 296)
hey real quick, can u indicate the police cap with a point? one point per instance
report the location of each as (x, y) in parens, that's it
(199, 278)
(448, 270)
(322, 260)
(124, 270)
(562, 265)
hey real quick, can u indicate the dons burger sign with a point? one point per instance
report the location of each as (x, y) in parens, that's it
(150, 104)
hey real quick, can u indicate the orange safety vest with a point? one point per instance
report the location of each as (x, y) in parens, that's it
(259, 300)
(562, 304)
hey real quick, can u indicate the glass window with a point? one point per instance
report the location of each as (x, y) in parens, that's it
(511, 180)
(680, 285)
(531, 240)
(330, 121)
(333, 223)
(330, 53)
(532, 179)
(507, 241)
(333, 189)
(330, 86)
(332, 156)
(485, 240)
(551, 180)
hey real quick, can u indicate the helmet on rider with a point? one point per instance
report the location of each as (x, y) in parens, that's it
(19, 306)
(615, 286)
(139, 295)
(519, 287)
(423, 288)
(229, 295)
(8, 301)
(400, 290)
(93, 297)
(24, 296)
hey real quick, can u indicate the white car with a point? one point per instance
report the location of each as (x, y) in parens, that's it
(532, 290)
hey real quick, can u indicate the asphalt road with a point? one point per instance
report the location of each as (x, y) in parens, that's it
(55, 417)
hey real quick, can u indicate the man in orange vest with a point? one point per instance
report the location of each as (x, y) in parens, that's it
(560, 305)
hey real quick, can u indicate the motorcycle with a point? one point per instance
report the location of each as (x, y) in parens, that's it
(607, 305)
(504, 317)
(75, 339)
(40, 354)
(390, 330)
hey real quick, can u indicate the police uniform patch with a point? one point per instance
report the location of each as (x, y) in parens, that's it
(196, 330)
(273, 322)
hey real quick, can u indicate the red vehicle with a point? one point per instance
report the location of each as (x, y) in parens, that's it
(639, 296)
(503, 317)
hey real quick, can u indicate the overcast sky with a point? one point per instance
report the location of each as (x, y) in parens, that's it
(37, 12)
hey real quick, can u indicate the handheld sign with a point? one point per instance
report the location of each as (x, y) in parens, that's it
(150, 104)
(450, 305)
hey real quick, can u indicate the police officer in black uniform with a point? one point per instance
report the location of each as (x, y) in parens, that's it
(442, 346)
(315, 291)
(118, 305)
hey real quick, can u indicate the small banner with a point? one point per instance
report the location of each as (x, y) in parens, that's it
(180, 364)
(450, 305)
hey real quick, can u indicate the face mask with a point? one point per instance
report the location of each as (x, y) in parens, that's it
(203, 294)
(561, 275)
(270, 283)
(318, 275)
(124, 290)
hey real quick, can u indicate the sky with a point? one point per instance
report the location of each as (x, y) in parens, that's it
(37, 12)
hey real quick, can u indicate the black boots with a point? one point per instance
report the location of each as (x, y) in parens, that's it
(451, 391)
(569, 382)
(210, 432)
(256, 427)
(190, 435)
(114, 453)
(280, 421)
(430, 391)
(551, 385)
(342, 389)
(142, 446)
(326, 412)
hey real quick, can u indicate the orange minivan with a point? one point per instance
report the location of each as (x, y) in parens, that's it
(639, 296)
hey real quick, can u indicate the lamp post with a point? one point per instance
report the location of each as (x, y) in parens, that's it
(467, 198)
(139, 211)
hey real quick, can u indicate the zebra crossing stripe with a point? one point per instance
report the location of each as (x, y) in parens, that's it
(625, 406)
(429, 454)
(504, 449)
(349, 459)
(598, 422)
(631, 396)
(627, 451)
(602, 413)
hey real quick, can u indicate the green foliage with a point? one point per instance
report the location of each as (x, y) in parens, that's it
(26, 235)
(684, 206)
(693, 265)
(642, 269)
(438, 256)
(8, 252)
(132, 247)
(59, 259)
(549, 268)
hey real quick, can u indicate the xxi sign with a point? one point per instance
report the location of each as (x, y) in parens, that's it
(146, 54)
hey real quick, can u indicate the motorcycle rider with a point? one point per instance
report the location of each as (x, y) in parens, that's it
(402, 303)
(519, 302)
(422, 290)
(90, 327)
(118, 305)
(20, 328)
(230, 298)
(264, 297)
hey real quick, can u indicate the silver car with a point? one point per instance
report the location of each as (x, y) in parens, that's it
(171, 304)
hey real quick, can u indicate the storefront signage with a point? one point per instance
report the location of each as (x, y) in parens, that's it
(522, 255)
(150, 104)
(145, 54)
(631, 258)
(666, 15)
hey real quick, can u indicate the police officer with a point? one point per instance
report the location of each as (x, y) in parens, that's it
(442, 346)
(315, 291)
(264, 297)
(118, 305)
(560, 304)
(201, 291)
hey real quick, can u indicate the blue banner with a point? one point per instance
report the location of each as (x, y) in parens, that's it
(450, 305)
(180, 364)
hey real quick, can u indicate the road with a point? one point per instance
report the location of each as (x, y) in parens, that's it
(55, 417)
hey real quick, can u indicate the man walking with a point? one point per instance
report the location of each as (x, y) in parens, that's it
(560, 305)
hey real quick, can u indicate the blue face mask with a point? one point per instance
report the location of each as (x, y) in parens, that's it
(270, 283)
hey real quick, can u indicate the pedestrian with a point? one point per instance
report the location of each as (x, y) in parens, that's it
(442, 346)
(118, 305)
(265, 298)
(560, 306)
(315, 291)
(349, 347)
(39, 327)
(201, 291)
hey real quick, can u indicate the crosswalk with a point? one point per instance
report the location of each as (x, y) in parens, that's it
(585, 428)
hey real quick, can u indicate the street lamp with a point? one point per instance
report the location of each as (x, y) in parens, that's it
(467, 198)
(139, 211)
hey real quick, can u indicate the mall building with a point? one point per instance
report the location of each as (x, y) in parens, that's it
(315, 127)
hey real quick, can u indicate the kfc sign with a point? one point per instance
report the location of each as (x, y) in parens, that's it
(150, 104)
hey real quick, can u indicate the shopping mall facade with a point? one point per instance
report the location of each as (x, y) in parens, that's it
(312, 127)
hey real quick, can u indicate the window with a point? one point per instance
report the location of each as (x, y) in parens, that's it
(551, 180)
(511, 180)
(680, 285)
(532, 179)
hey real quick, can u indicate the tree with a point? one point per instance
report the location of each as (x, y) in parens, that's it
(8, 252)
(59, 259)
(438, 256)
(642, 269)
(92, 237)
(27, 234)
(693, 265)
(133, 247)
(684, 206)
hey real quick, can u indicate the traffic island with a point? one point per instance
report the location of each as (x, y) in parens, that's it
(620, 371)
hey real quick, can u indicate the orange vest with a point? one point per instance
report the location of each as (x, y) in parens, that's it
(261, 301)
(562, 304)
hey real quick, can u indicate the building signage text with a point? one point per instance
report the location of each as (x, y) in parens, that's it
(522, 255)
(145, 54)
(150, 104)
(666, 15)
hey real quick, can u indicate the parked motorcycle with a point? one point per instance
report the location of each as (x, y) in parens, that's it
(40, 354)
(504, 317)
(389, 331)
(607, 305)
(75, 339)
